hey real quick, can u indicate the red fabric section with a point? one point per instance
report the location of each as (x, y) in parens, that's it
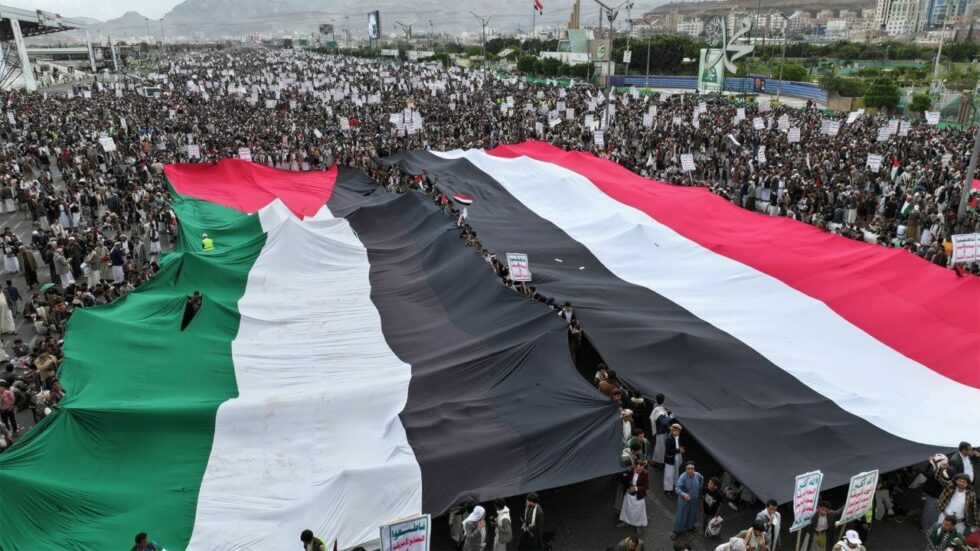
(921, 310)
(248, 186)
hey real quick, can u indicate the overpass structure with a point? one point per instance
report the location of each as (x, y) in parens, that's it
(17, 23)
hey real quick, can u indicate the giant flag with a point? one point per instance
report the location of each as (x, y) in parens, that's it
(352, 362)
(783, 348)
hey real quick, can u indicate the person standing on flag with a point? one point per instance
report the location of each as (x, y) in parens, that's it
(207, 244)
(311, 542)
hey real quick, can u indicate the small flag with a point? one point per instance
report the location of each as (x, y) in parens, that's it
(463, 198)
(539, 6)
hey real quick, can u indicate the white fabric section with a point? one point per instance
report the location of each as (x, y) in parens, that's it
(314, 439)
(798, 333)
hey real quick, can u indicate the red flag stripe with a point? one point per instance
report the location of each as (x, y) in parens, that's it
(920, 310)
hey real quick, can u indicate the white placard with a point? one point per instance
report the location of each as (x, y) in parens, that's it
(874, 162)
(245, 153)
(627, 56)
(687, 162)
(761, 155)
(806, 496)
(519, 267)
(966, 247)
(194, 151)
(860, 496)
(904, 127)
(794, 135)
(758, 123)
(107, 144)
(409, 534)
(932, 118)
(599, 137)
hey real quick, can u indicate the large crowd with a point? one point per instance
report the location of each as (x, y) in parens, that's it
(84, 167)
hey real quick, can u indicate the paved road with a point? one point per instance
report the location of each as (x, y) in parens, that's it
(581, 514)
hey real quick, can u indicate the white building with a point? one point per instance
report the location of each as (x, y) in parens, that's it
(799, 23)
(898, 17)
(837, 28)
(692, 27)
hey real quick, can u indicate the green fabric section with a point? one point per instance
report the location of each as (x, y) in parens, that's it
(127, 449)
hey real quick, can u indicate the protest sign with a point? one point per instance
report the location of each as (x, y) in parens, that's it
(245, 153)
(764, 105)
(884, 134)
(761, 155)
(270, 104)
(194, 151)
(806, 495)
(783, 123)
(519, 267)
(794, 135)
(854, 115)
(107, 144)
(600, 138)
(740, 114)
(687, 162)
(860, 496)
(932, 117)
(903, 128)
(758, 123)
(874, 162)
(410, 534)
(966, 247)
(647, 120)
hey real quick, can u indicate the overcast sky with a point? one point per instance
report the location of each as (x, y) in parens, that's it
(103, 9)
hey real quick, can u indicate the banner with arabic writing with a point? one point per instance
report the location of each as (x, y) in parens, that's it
(860, 496)
(411, 534)
(806, 495)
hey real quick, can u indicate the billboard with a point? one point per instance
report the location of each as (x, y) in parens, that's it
(326, 28)
(374, 25)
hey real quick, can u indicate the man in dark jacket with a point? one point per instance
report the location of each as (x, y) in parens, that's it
(821, 531)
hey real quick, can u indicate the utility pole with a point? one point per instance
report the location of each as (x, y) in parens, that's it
(432, 36)
(347, 17)
(968, 181)
(942, 38)
(163, 36)
(484, 21)
(779, 89)
(148, 38)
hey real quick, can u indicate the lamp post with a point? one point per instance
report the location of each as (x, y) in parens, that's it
(148, 37)
(483, 22)
(163, 36)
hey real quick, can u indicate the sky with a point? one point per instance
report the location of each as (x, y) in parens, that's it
(102, 10)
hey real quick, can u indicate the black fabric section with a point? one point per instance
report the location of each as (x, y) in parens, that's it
(763, 425)
(495, 407)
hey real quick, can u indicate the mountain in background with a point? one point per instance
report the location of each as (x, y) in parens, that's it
(211, 18)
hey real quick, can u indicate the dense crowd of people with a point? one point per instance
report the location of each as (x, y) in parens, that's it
(84, 170)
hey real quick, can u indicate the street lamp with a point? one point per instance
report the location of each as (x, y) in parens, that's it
(163, 36)
(484, 21)
(147, 19)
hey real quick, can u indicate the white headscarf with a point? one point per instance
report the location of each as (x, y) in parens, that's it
(476, 515)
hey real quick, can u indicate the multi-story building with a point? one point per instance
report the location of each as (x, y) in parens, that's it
(837, 28)
(898, 17)
(692, 27)
(800, 22)
(824, 15)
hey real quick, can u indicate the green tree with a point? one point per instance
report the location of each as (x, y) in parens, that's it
(794, 72)
(845, 87)
(920, 103)
(549, 66)
(525, 64)
(882, 93)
